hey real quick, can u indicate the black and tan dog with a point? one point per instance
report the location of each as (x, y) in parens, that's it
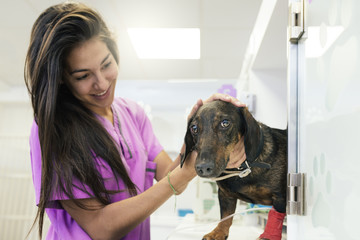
(214, 132)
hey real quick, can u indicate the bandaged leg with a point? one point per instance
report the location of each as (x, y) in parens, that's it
(273, 228)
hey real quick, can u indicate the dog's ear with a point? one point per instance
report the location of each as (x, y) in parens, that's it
(250, 129)
(189, 143)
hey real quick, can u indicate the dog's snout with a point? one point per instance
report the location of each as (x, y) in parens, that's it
(205, 169)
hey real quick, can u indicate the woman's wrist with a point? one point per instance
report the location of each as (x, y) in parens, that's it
(171, 186)
(178, 179)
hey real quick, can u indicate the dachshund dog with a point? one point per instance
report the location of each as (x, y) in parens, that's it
(214, 133)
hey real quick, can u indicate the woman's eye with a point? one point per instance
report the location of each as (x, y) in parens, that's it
(107, 65)
(225, 123)
(82, 77)
(194, 129)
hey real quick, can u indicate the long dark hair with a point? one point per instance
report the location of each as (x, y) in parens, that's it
(70, 135)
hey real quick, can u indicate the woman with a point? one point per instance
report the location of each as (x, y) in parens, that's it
(93, 157)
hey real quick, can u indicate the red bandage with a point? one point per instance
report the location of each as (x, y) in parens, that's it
(273, 228)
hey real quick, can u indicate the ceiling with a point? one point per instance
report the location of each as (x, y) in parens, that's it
(225, 28)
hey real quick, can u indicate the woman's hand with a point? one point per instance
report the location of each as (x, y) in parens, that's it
(187, 171)
(225, 98)
(216, 96)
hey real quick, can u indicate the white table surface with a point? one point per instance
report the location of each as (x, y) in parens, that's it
(190, 229)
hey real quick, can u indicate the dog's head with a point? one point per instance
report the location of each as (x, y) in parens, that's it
(213, 132)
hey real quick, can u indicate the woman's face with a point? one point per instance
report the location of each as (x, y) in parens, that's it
(92, 72)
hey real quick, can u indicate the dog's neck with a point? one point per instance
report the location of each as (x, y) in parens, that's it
(239, 160)
(238, 156)
(239, 165)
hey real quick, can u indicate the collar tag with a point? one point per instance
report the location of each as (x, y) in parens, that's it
(246, 171)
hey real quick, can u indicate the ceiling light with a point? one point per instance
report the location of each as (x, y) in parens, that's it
(166, 43)
(191, 80)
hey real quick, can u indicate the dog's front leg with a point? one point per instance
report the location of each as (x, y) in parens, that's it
(227, 207)
(274, 225)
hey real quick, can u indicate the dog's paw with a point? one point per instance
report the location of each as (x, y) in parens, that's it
(216, 235)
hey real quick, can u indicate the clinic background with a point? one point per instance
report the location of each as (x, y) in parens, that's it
(241, 51)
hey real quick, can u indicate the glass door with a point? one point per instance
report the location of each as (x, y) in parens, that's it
(324, 120)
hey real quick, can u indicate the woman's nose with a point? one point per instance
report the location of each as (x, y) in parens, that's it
(100, 80)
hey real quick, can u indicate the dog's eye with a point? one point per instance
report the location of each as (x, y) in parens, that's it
(194, 129)
(225, 123)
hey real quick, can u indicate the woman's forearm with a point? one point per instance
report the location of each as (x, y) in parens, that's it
(117, 219)
(140, 207)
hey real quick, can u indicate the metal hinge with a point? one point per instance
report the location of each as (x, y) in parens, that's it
(296, 21)
(296, 194)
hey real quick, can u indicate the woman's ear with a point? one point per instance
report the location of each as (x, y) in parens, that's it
(251, 130)
(189, 143)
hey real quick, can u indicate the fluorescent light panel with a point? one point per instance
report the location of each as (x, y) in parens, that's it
(192, 80)
(166, 43)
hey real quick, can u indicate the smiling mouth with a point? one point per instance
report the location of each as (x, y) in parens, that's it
(102, 93)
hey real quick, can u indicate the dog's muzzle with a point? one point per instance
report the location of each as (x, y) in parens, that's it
(205, 166)
(205, 169)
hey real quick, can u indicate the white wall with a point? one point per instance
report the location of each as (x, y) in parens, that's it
(270, 89)
(17, 209)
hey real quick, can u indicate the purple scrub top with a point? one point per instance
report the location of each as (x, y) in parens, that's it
(132, 131)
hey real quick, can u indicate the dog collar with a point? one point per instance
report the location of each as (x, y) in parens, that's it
(240, 172)
(260, 147)
(253, 162)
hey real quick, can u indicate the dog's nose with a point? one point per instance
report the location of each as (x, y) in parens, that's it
(205, 169)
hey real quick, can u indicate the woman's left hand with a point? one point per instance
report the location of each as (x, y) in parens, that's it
(216, 96)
